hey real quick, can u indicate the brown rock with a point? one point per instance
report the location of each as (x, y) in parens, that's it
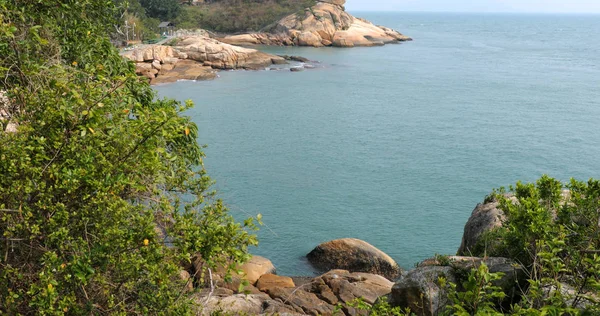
(327, 23)
(484, 218)
(185, 70)
(354, 255)
(268, 281)
(149, 53)
(223, 56)
(237, 304)
(242, 39)
(140, 68)
(187, 278)
(309, 303)
(420, 291)
(309, 39)
(166, 67)
(170, 60)
(256, 267)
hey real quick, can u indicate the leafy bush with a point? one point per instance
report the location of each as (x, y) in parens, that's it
(102, 191)
(554, 231)
(477, 294)
(380, 308)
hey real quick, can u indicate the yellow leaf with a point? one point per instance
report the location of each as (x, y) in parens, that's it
(146, 242)
(187, 131)
(92, 130)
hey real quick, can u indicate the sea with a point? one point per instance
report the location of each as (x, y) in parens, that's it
(396, 145)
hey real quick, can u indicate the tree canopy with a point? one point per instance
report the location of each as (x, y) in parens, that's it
(161, 9)
(103, 194)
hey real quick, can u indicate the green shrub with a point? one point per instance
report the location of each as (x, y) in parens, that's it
(553, 230)
(96, 175)
(232, 16)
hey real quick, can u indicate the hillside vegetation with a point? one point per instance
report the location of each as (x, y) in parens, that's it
(228, 16)
(232, 16)
(103, 195)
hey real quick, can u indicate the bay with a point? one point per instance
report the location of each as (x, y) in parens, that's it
(396, 145)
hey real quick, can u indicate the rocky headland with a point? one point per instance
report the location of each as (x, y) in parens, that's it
(195, 57)
(198, 55)
(325, 24)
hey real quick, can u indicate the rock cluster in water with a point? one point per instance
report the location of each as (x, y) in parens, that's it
(359, 270)
(195, 58)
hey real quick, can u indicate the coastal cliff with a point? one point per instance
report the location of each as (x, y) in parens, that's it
(325, 24)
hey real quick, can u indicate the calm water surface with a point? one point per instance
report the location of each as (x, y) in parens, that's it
(395, 145)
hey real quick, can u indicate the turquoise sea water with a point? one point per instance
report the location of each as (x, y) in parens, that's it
(395, 145)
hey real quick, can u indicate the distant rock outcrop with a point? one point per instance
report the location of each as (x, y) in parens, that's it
(194, 58)
(216, 54)
(324, 24)
(354, 255)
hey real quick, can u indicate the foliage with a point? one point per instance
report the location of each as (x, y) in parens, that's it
(380, 308)
(103, 194)
(553, 230)
(477, 294)
(232, 16)
(132, 11)
(163, 10)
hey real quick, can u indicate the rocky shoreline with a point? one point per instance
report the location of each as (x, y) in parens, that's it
(199, 55)
(355, 269)
(325, 24)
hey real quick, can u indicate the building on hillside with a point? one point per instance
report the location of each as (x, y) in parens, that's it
(166, 28)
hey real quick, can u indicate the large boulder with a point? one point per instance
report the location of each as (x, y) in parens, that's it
(241, 304)
(251, 271)
(354, 255)
(269, 281)
(484, 218)
(148, 53)
(309, 39)
(183, 70)
(256, 267)
(220, 55)
(327, 23)
(347, 286)
(302, 301)
(420, 289)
